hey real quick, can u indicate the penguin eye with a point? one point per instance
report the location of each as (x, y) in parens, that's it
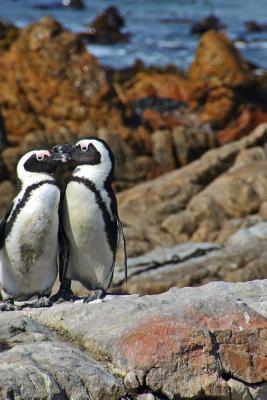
(39, 157)
(84, 148)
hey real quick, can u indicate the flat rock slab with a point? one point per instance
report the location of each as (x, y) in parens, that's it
(242, 258)
(36, 364)
(190, 342)
(205, 342)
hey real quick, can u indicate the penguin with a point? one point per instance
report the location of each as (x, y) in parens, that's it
(29, 233)
(90, 220)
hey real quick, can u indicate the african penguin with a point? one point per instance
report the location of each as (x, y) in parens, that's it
(89, 219)
(29, 233)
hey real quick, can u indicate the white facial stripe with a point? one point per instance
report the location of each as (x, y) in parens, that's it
(83, 143)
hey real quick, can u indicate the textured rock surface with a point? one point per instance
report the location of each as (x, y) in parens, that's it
(224, 88)
(200, 342)
(242, 258)
(216, 73)
(37, 364)
(207, 200)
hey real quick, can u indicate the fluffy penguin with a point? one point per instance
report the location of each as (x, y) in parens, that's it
(90, 220)
(29, 233)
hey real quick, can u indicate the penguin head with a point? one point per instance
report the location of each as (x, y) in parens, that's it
(92, 157)
(36, 163)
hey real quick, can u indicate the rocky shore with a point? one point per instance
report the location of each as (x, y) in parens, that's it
(155, 119)
(191, 182)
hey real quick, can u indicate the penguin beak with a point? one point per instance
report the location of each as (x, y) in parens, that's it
(62, 152)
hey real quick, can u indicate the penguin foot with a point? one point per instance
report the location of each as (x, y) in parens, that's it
(64, 294)
(9, 306)
(42, 302)
(61, 296)
(94, 295)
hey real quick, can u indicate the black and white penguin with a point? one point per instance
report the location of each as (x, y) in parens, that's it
(29, 233)
(90, 219)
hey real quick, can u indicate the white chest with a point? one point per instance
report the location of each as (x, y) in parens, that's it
(91, 258)
(28, 260)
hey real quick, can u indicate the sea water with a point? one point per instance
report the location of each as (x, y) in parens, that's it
(160, 29)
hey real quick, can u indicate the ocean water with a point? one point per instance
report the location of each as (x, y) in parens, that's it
(160, 29)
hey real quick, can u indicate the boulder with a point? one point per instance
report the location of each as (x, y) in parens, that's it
(254, 26)
(57, 84)
(203, 201)
(37, 364)
(211, 22)
(216, 76)
(106, 28)
(205, 342)
(218, 63)
(242, 258)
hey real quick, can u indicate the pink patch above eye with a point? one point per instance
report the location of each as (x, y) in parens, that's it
(43, 154)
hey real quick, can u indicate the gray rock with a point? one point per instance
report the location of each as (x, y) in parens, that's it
(242, 258)
(146, 396)
(131, 381)
(200, 202)
(36, 364)
(240, 391)
(188, 342)
(54, 370)
(185, 343)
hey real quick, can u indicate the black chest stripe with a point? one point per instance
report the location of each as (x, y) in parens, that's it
(22, 202)
(110, 224)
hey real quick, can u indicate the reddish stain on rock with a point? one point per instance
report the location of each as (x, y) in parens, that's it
(199, 343)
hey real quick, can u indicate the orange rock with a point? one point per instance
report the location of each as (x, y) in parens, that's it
(215, 78)
(164, 85)
(49, 81)
(219, 106)
(218, 62)
(247, 120)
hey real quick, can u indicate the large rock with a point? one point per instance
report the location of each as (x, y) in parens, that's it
(58, 84)
(211, 22)
(106, 28)
(242, 258)
(216, 75)
(37, 364)
(218, 63)
(205, 342)
(204, 201)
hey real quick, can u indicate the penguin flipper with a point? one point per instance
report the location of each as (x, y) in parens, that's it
(3, 226)
(121, 235)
